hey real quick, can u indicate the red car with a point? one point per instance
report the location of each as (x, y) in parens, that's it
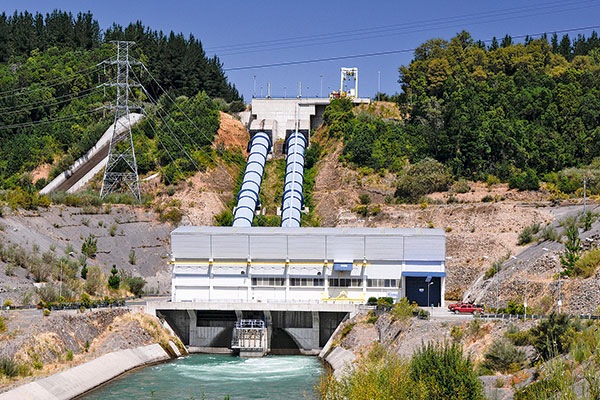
(468, 308)
(451, 307)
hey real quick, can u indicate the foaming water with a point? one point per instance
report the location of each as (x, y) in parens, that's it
(217, 376)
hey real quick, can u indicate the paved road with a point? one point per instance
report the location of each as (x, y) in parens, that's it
(442, 313)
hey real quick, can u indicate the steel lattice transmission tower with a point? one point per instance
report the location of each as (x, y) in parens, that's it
(121, 171)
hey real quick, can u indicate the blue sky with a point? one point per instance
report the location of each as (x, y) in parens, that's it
(359, 27)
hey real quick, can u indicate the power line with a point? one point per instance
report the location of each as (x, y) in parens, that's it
(382, 53)
(425, 28)
(47, 121)
(419, 23)
(37, 89)
(27, 108)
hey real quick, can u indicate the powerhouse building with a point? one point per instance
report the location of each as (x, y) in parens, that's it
(322, 265)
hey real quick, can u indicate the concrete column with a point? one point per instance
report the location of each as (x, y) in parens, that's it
(364, 280)
(269, 323)
(249, 283)
(210, 281)
(192, 328)
(238, 314)
(315, 329)
(287, 280)
(443, 290)
(326, 281)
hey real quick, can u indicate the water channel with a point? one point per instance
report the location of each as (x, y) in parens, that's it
(217, 376)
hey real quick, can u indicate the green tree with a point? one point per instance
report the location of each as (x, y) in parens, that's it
(569, 257)
(114, 280)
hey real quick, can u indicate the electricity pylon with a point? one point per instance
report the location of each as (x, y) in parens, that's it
(121, 169)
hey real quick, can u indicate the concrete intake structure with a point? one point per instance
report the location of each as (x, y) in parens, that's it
(260, 144)
(293, 199)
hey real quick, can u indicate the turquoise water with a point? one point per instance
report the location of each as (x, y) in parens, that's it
(216, 376)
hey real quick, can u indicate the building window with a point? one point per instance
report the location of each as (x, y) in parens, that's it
(345, 282)
(306, 282)
(387, 283)
(268, 281)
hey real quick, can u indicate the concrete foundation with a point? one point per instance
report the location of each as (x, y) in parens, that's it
(292, 328)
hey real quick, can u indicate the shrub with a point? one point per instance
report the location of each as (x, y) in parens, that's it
(69, 356)
(365, 199)
(174, 216)
(2, 324)
(132, 258)
(548, 233)
(112, 231)
(347, 329)
(570, 256)
(526, 180)
(525, 236)
(492, 180)
(95, 280)
(461, 186)
(426, 176)
(512, 308)
(503, 356)
(47, 293)
(457, 333)
(403, 310)
(443, 372)
(113, 280)
(587, 265)
(372, 301)
(9, 367)
(487, 199)
(553, 336)
(46, 312)
(136, 285)
(89, 247)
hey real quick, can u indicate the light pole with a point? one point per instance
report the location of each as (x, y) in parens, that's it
(285, 92)
(584, 193)
(321, 95)
(428, 286)
(525, 302)
(378, 84)
(254, 92)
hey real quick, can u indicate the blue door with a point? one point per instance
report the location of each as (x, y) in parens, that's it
(417, 288)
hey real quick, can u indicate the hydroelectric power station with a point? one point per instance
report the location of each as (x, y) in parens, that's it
(284, 290)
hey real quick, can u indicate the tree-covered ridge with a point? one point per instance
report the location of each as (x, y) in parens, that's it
(50, 93)
(179, 64)
(530, 106)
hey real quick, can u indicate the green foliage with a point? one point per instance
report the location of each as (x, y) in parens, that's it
(224, 218)
(46, 312)
(89, 247)
(69, 356)
(587, 265)
(503, 356)
(94, 280)
(84, 272)
(132, 257)
(526, 180)
(9, 367)
(114, 280)
(553, 336)
(134, 283)
(527, 234)
(443, 372)
(403, 310)
(512, 308)
(569, 257)
(426, 176)
(347, 329)
(548, 233)
(434, 372)
(461, 186)
(47, 293)
(2, 324)
(457, 333)
(173, 215)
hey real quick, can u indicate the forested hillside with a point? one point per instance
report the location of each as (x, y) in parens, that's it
(49, 94)
(520, 112)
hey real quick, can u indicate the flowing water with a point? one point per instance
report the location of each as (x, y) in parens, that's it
(217, 376)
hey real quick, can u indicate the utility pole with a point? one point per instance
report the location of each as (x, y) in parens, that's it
(378, 85)
(584, 193)
(525, 302)
(559, 302)
(121, 169)
(285, 92)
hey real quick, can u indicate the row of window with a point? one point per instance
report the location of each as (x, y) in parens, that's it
(333, 282)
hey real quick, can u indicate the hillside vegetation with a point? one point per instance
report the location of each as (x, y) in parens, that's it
(520, 112)
(49, 94)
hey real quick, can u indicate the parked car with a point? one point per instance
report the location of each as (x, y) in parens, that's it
(451, 307)
(468, 308)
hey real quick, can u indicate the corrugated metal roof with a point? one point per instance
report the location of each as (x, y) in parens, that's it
(295, 244)
(341, 231)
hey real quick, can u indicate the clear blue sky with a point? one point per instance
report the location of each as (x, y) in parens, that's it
(407, 24)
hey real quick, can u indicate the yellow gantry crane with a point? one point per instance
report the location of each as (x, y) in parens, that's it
(346, 76)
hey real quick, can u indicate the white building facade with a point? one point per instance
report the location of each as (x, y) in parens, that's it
(275, 264)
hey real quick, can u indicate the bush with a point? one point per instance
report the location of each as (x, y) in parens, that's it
(403, 310)
(443, 372)
(95, 280)
(457, 333)
(347, 329)
(503, 356)
(47, 293)
(548, 233)
(174, 216)
(365, 199)
(112, 230)
(136, 284)
(89, 247)
(512, 308)
(426, 176)
(587, 265)
(553, 336)
(526, 180)
(525, 236)
(46, 312)
(132, 258)
(372, 301)
(113, 280)
(461, 186)
(9, 367)
(69, 356)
